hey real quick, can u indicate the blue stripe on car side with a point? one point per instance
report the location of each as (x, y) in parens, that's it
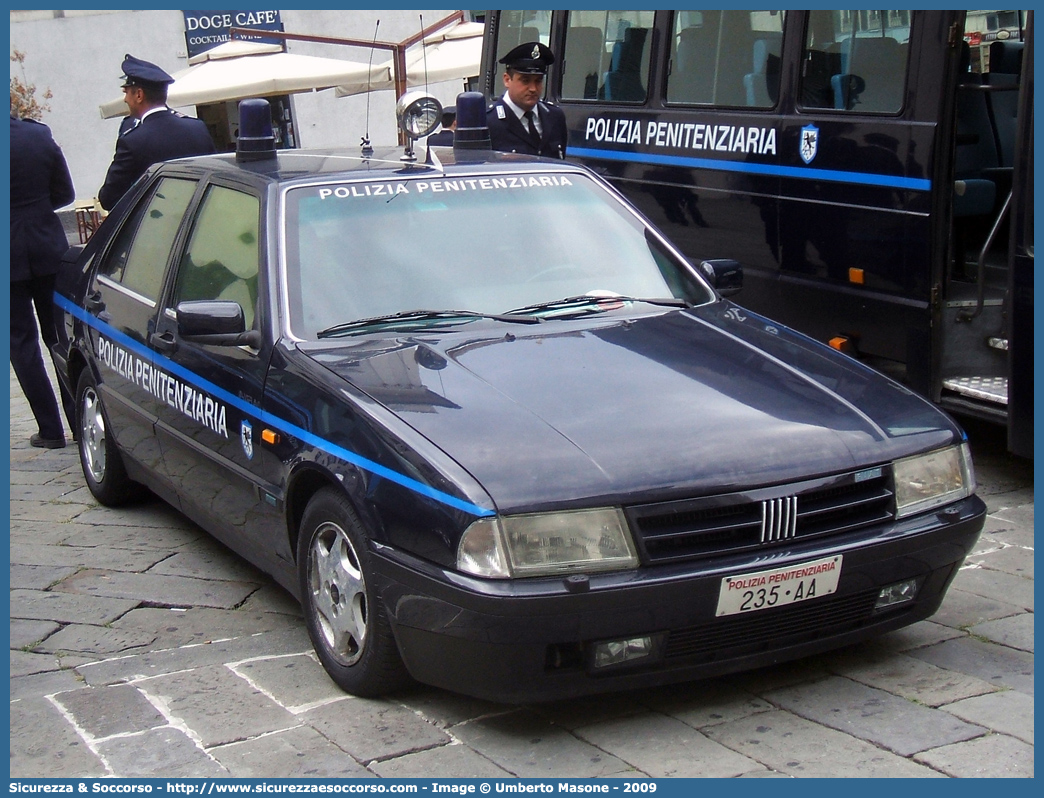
(828, 175)
(267, 418)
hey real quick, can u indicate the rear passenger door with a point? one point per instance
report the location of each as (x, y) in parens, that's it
(122, 303)
(209, 422)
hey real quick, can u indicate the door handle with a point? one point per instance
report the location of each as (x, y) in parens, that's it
(94, 303)
(163, 342)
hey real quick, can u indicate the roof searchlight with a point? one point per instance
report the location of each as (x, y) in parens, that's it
(417, 114)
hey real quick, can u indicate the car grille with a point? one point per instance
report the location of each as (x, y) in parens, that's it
(689, 529)
(738, 635)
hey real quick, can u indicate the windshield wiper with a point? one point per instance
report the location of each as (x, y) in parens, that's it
(421, 315)
(586, 300)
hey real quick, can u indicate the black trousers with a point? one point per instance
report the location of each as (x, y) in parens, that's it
(25, 350)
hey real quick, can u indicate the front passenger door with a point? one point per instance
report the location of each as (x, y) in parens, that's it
(209, 426)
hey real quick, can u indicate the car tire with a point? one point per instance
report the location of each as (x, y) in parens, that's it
(346, 619)
(100, 459)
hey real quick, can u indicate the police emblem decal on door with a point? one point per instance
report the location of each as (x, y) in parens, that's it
(809, 143)
(246, 436)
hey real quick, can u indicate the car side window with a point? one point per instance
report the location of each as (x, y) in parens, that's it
(221, 260)
(138, 258)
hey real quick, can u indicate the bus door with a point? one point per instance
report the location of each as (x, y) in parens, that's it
(987, 318)
(1020, 278)
(858, 145)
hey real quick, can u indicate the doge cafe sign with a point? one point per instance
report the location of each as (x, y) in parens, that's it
(206, 29)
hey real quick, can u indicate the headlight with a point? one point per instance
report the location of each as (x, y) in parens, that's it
(933, 479)
(542, 544)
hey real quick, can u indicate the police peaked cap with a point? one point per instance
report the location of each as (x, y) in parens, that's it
(531, 58)
(141, 73)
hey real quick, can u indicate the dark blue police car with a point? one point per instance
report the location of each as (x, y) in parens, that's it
(491, 428)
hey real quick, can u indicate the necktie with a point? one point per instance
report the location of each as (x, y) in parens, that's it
(532, 129)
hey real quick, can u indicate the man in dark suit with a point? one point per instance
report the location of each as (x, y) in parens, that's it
(161, 133)
(520, 121)
(444, 138)
(40, 183)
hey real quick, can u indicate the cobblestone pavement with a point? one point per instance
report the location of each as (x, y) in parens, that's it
(141, 647)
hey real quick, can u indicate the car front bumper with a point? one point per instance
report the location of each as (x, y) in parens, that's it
(532, 640)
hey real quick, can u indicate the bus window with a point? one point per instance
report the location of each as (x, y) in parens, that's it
(855, 60)
(585, 60)
(726, 58)
(606, 56)
(518, 27)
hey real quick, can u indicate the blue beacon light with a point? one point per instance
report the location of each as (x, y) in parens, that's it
(471, 132)
(256, 140)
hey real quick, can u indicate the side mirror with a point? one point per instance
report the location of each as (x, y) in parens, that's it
(218, 322)
(725, 274)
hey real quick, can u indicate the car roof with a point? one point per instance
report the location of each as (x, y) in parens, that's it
(294, 165)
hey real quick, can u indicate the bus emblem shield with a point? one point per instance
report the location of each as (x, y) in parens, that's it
(246, 437)
(809, 143)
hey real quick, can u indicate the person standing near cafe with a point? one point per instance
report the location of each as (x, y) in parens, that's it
(40, 184)
(159, 135)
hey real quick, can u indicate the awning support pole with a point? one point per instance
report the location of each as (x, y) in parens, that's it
(398, 49)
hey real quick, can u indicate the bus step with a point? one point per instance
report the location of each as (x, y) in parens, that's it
(989, 389)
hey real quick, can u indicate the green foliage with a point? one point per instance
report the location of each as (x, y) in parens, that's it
(24, 102)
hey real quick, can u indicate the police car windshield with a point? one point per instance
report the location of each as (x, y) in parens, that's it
(492, 244)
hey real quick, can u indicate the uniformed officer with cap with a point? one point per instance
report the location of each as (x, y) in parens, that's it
(520, 121)
(160, 133)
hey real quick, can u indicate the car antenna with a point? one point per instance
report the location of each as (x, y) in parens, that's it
(424, 53)
(367, 150)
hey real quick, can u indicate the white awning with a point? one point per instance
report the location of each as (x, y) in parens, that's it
(240, 69)
(453, 54)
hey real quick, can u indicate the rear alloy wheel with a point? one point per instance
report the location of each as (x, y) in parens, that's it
(100, 459)
(346, 620)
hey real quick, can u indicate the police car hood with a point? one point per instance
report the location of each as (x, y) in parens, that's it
(644, 406)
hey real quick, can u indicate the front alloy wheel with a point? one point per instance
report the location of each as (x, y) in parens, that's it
(345, 617)
(338, 592)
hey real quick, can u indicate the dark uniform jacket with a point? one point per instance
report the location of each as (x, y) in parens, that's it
(161, 136)
(507, 134)
(40, 183)
(127, 124)
(444, 138)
